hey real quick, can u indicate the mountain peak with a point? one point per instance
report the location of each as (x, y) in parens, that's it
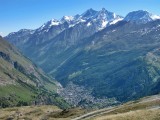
(104, 10)
(141, 16)
(67, 18)
(49, 24)
(89, 13)
(107, 15)
(91, 9)
(54, 22)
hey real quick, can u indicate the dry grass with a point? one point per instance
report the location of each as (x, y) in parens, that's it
(134, 115)
(68, 114)
(135, 106)
(143, 109)
(39, 113)
(27, 113)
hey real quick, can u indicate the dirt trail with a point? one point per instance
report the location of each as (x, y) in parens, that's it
(95, 113)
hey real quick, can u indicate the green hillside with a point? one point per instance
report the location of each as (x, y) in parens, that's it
(123, 62)
(22, 83)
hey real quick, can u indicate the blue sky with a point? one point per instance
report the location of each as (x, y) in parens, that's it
(31, 14)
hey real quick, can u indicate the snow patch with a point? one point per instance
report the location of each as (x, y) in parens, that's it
(114, 15)
(115, 21)
(155, 17)
(71, 25)
(104, 24)
(81, 20)
(89, 24)
(54, 22)
(68, 18)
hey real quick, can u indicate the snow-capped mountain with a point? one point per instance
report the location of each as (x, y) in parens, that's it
(90, 21)
(104, 18)
(49, 24)
(90, 17)
(101, 19)
(69, 30)
(74, 28)
(141, 16)
(67, 19)
(59, 35)
(90, 13)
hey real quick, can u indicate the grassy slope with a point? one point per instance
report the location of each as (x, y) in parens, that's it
(134, 115)
(21, 82)
(144, 109)
(40, 112)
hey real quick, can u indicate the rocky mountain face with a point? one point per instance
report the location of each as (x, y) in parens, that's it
(22, 82)
(111, 56)
(141, 16)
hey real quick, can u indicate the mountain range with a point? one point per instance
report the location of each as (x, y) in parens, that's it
(110, 55)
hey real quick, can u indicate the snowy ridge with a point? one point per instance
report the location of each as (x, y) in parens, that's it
(22, 31)
(141, 16)
(99, 19)
(115, 21)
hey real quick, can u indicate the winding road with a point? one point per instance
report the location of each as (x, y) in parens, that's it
(95, 113)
